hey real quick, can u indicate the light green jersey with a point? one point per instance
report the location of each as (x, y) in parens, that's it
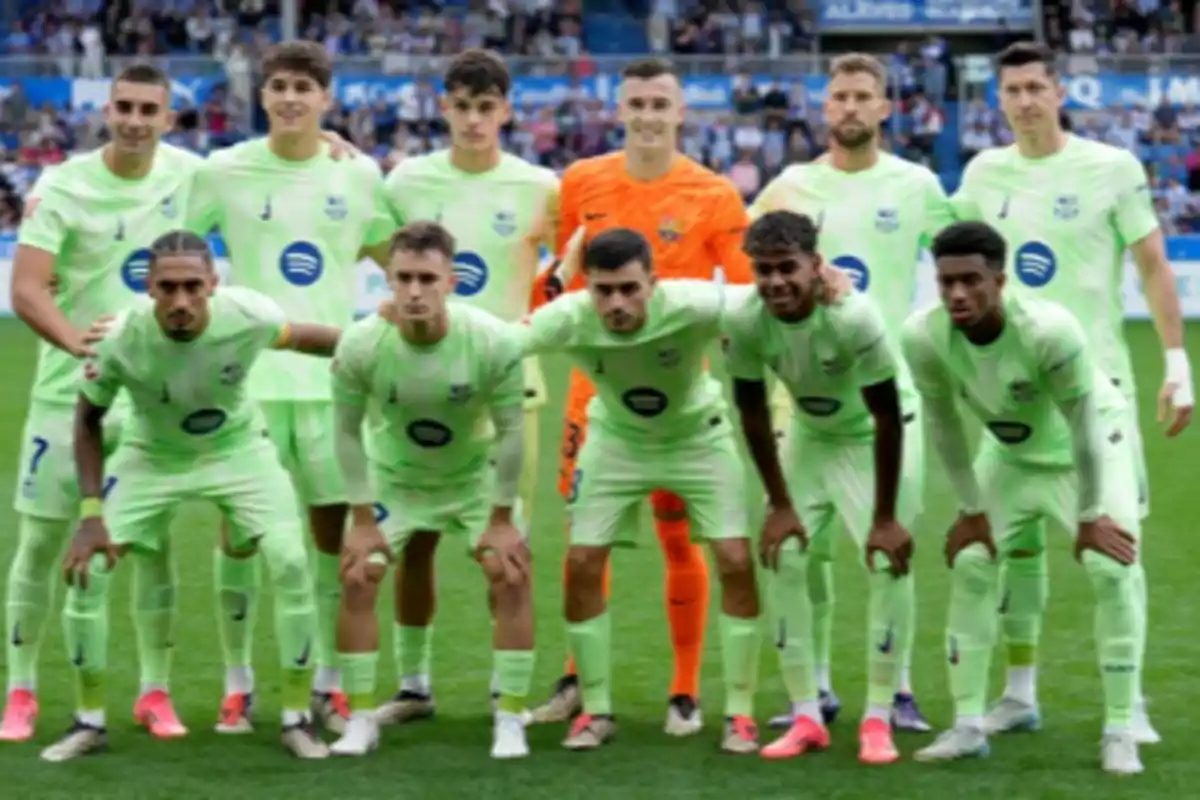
(1015, 384)
(188, 398)
(651, 385)
(873, 223)
(825, 361)
(1067, 219)
(430, 404)
(497, 218)
(99, 227)
(295, 232)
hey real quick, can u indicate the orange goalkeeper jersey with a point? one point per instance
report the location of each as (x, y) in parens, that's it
(693, 218)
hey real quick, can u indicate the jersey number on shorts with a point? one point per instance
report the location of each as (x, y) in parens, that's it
(576, 479)
(40, 446)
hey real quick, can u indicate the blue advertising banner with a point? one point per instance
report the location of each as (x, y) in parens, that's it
(1109, 90)
(961, 16)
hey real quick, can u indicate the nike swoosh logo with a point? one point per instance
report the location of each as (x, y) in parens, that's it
(302, 661)
(17, 641)
(241, 609)
(78, 659)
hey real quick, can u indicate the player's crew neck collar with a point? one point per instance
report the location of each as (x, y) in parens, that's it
(678, 165)
(1069, 145)
(856, 175)
(322, 152)
(104, 173)
(462, 174)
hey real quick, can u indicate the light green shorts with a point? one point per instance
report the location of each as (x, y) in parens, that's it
(1021, 498)
(460, 509)
(248, 486)
(614, 476)
(302, 431)
(830, 479)
(47, 484)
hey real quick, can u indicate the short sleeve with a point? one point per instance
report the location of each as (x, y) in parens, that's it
(1063, 357)
(965, 202)
(204, 199)
(939, 212)
(382, 223)
(928, 371)
(393, 190)
(263, 314)
(1134, 215)
(102, 375)
(507, 368)
(45, 223)
(874, 360)
(349, 368)
(551, 326)
(743, 356)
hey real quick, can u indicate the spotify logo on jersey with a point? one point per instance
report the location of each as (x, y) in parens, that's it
(1035, 264)
(1010, 432)
(819, 406)
(135, 269)
(470, 273)
(645, 402)
(203, 422)
(430, 433)
(856, 268)
(301, 264)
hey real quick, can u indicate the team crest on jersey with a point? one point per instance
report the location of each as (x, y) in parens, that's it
(505, 223)
(1022, 391)
(232, 374)
(887, 220)
(670, 229)
(335, 207)
(169, 209)
(670, 357)
(460, 393)
(1066, 206)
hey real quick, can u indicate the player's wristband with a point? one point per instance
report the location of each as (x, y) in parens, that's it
(1179, 372)
(90, 507)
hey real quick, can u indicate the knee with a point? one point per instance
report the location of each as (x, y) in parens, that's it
(668, 507)
(734, 560)
(975, 571)
(362, 594)
(1109, 578)
(585, 569)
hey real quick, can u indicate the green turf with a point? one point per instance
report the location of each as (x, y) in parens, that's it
(448, 757)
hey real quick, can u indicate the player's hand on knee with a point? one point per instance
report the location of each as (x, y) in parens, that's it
(1107, 537)
(1175, 406)
(891, 539)
(780, 525)
(967, 530)
(339, 148)
(365, 556)
(503, 554)
(835, 284)
(98, 330)
(90, 539)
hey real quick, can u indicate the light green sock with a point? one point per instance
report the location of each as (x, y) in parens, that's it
(740, 642)
(358, 678)
(1116, 626)
(889, 623)
(514, 675)
(30, 595)
(971, 629)
(1025, 592)
(237, 583)
(793, 624)
(820, 594)
(297, 683)
(85, 629)
(591, 642)
(1143, 599)
(329, 596)
(154, 607)
(412, 647)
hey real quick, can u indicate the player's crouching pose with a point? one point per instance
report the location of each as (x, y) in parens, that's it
(192, 435)
(435, 374)
(1023, 367)
(849, 454)
(658, 422)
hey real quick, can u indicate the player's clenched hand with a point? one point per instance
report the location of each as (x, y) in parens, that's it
(967, 530)
(1175, 405)
(503, 553)
(780, 525)
(91, 538)
(98, 330)
(362, 552)
(890, 538)
(1107, 537)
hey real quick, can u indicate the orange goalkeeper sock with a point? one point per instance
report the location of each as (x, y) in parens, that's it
(687, 591)
(570, 670)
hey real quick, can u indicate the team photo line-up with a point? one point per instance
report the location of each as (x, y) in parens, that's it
(154, 387)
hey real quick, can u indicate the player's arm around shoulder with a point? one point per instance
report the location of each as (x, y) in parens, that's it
(552, 327)
(966, 202)
(376, 244)
(205, 197)
(266, 316)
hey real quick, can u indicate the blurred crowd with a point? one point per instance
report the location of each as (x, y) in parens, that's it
(764, 129)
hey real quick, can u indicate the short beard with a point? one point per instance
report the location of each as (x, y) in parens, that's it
(853, 141)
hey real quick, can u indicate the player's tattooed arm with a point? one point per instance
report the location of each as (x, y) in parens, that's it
(313, 340)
